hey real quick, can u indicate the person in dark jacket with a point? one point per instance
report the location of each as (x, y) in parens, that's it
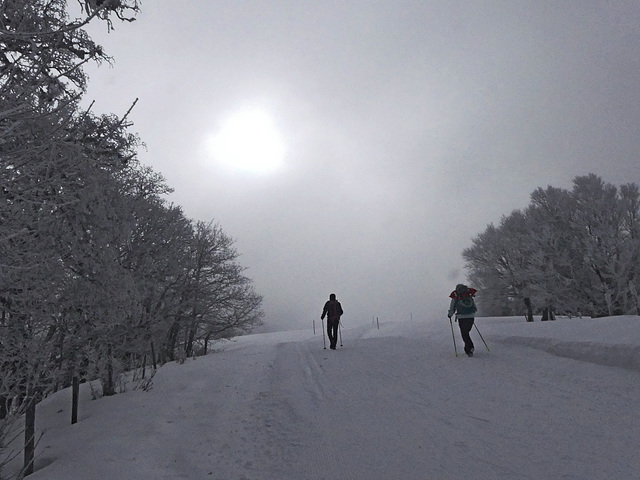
(464, 307)
(332, 310)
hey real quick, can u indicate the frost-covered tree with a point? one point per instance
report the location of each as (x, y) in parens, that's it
(156, 255)
(569, 250)
(231, 305)
(495, 260)
(96, 270)
(550, 269)
(42, 173)
(629, 279)
(219, 300)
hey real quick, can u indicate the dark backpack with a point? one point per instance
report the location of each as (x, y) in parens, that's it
(466, 305)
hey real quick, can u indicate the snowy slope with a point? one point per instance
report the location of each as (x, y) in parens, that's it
(550, 400)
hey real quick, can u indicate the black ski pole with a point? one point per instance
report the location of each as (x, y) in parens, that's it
(340, 331)
(324, 342)
(485, 343)
(455, 350)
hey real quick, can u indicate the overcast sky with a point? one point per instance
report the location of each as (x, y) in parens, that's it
(407, 127)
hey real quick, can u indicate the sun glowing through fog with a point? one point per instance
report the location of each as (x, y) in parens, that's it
(248, 140)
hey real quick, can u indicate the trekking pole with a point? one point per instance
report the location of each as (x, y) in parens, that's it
(340, 332)
(324, 342)
(454, 337)
(485, 343)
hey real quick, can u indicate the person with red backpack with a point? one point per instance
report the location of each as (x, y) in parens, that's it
(464, 307)
(333, 311)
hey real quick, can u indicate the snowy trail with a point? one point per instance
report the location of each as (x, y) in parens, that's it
(393, 403)
(350, 414)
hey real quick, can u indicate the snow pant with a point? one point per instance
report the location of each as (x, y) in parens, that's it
(332, 331)
(466, 324)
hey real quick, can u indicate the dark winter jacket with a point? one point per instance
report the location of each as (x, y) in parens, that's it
(333, 309)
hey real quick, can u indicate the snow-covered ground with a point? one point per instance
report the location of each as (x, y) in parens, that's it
(552, 400)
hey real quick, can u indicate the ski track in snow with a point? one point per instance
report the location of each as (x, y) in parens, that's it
(392, 403)
(433, 416)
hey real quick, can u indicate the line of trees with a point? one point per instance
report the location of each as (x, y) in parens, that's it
(98, 274)
(572, 250)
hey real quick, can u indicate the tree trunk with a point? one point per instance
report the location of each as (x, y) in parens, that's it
(172, 338)
(29, 435)
(4, 407)
(60, 356)
(634, 296)
(529, 314)
(191, 335)
(206, 343)
(75, 393)
(153, 356)
(144, 365)
(109, 389)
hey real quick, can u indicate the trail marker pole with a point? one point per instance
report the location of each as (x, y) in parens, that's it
(324, 342)
(340, 331)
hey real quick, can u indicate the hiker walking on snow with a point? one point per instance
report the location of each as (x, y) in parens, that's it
(464, 307)
(332, 310)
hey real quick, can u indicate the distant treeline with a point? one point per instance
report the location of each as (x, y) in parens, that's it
(569, 252)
